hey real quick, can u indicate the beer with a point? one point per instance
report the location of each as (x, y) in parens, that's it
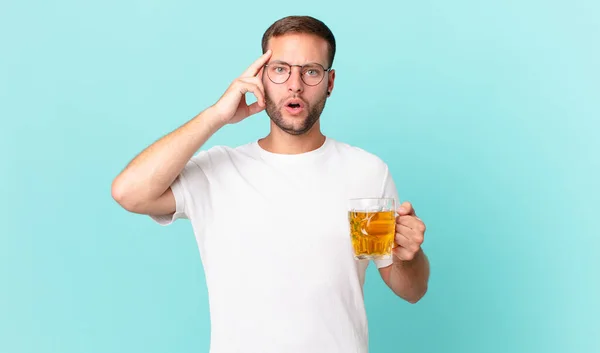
(372, 233)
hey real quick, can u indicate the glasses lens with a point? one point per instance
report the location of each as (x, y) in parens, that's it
(312, 74)
(278, 73)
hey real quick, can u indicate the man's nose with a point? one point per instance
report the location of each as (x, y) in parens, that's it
(295, 83)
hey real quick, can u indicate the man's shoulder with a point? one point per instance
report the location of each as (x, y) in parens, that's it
(222, 148)
(356, 153)
(217, 154)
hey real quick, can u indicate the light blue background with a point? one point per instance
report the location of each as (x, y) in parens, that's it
(487, 113)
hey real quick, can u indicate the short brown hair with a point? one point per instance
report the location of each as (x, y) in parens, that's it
(300, 24)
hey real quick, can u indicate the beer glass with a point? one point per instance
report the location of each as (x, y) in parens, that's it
(372, 227)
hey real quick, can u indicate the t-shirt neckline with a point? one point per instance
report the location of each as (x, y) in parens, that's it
(297, 157)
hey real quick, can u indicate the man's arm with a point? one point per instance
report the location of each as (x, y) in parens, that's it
(144, 185)
(408, 279)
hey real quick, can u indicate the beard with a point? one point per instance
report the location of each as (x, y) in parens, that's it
(297, 125)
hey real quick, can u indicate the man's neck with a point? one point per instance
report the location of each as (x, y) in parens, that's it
(281, 142)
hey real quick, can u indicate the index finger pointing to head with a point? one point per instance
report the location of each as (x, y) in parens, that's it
(253, 69)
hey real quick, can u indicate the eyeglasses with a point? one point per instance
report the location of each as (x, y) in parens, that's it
(311, 74)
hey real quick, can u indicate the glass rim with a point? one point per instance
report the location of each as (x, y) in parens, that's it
(372, 198)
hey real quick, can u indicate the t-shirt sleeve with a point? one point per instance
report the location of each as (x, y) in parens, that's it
(389, 190)
(190, 184)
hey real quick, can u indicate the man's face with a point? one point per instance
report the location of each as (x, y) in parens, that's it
(295, 106)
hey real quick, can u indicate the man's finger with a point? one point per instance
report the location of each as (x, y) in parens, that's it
(245, 87)
(253, 69)
(406, 209)
(408, 237)
(258, 83)
(411, 222)
(401, 239)
(255, 108)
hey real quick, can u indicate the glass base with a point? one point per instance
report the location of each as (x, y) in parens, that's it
(373, 257)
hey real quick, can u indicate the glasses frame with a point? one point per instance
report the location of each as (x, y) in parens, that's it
(325, 71)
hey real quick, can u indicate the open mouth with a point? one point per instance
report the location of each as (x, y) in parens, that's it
(294, 107)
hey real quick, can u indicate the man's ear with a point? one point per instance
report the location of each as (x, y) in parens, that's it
(330, 82)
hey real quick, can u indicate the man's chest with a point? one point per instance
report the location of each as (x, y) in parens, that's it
(282, 224)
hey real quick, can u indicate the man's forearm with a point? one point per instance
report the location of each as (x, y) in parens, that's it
(150, 173)
(409, 279)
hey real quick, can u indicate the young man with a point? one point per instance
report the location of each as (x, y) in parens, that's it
(270, 217)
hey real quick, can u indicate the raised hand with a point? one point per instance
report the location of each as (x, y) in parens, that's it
(232, 107)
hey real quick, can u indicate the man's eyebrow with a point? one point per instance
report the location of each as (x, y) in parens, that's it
(285, 62)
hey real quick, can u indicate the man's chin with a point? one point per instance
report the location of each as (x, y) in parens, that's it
(293, 124)
(295, 131)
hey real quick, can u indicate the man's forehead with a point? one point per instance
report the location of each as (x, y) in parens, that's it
(299, 49)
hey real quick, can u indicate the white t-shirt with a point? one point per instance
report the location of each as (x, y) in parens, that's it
(273, 236)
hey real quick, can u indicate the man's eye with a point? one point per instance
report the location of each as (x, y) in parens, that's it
(312, 71)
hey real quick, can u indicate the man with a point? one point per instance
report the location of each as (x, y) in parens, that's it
(270, 217)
